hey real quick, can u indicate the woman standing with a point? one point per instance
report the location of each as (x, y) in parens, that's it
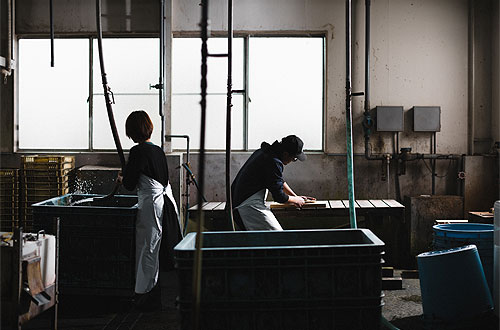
(157, 215)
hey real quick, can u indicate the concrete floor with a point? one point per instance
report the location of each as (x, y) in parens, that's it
(403, 308)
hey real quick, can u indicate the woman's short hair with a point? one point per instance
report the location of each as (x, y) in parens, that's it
(139, 126)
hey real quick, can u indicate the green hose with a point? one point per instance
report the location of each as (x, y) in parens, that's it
(350, 174)
(348, 116)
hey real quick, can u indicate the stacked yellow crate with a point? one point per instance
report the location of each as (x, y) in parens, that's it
(9, 199)
(43, 177)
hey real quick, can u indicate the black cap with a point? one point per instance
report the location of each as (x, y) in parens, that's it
(293, 145)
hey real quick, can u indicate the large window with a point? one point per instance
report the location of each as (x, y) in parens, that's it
(63, 107)
(186, 111)
(53, 109)
(279, 83)
(284, 81)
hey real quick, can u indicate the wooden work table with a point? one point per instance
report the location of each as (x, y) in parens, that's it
(385, 217)
(388, 207)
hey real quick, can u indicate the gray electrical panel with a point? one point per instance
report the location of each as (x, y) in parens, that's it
(389, 118)
(427, 119)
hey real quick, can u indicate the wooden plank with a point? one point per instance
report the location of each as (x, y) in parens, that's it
(327, 204)
(210, 206)
(314, 205)
(220, 207)
(392, 283)
(378, 203)
(346, 203)
(195, 207)
(365, 204)
(336, 204)
(393, 203)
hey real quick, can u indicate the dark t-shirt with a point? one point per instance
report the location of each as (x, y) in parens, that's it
(148, 159)
(262, 170)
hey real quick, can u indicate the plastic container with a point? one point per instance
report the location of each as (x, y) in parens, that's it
(97, 242)
(9, 199)
(453, 286)
(297, 279)
(48, 162)
(461, 234)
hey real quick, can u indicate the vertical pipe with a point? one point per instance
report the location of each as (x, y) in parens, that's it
(229, 203)
(187, 187)
(201, 183)
(434, 164)
(10, 36)
(8, 61)
(17, 247)
(161, 88)
(51, 8)
(367, 55)
(396, 173)
(388, 178)
(471, 78)
(91, 94)
(348, 114)
(246, 85)
(433, 151)
(57, 222)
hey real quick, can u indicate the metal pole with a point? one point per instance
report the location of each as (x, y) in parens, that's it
(188, 182)
(348, 114)
(57, 222)
(433, 148)
(367, 55)
(161, 88)
(199, 237)
(17, 247)
(51, 8)
(229, 202)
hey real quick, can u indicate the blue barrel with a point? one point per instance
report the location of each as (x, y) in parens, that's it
(453, 285)
(461, 234)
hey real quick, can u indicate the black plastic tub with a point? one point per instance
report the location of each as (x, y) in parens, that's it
(97, 242)
(298, 279)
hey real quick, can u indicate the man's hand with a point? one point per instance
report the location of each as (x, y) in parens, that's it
(308, 198)
(298, 201)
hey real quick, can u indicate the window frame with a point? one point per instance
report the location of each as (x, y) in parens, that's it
(90, 92)
(185, 34)
(246, 81)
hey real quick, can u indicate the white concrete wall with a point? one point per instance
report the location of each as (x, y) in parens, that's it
(78, 16)
(418, 56)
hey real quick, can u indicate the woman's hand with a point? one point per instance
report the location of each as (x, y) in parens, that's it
(119, 178)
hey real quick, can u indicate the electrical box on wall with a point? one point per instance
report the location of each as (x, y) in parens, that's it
(389, 118)
(427, 119)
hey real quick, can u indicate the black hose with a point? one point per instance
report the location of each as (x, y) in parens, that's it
(229, 201)
(107, 90)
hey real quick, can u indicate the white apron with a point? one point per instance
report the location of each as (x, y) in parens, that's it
(256, 215)
(148, 231)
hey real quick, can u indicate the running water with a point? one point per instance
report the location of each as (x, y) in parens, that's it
(81, 201)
